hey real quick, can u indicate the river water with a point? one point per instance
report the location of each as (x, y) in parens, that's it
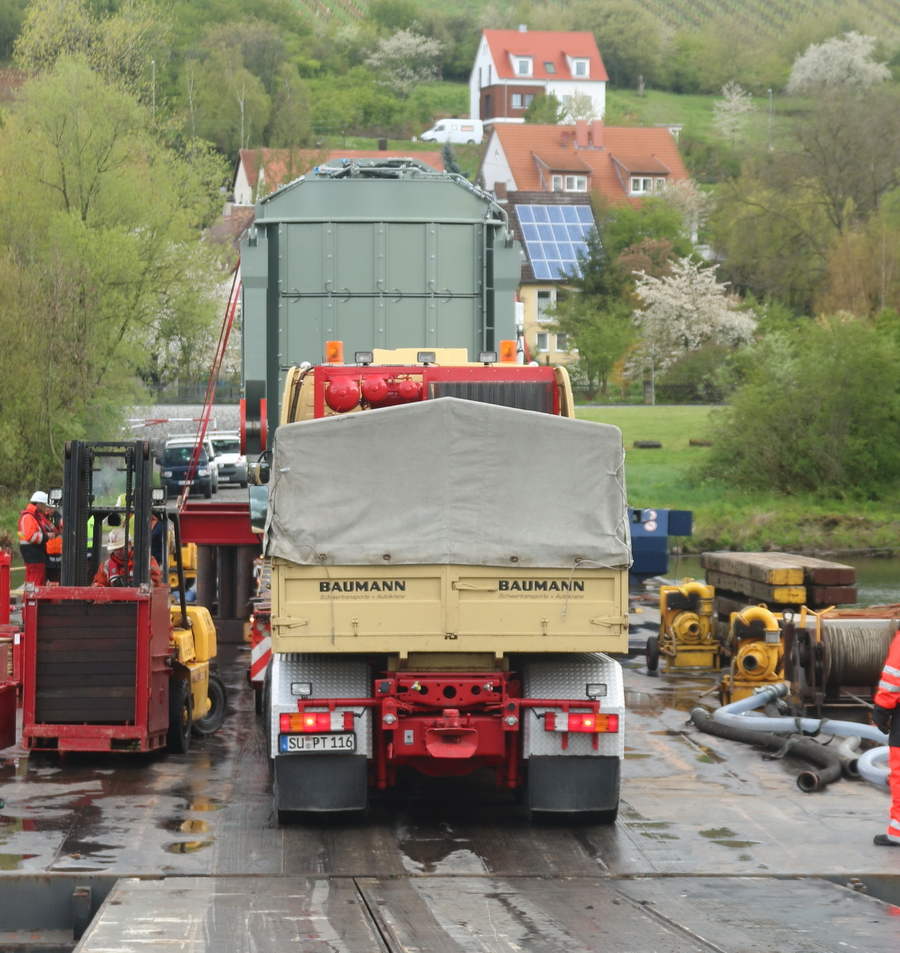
(878, 580)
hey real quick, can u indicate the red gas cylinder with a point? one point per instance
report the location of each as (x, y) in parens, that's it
(409, 390)
(374, 389)
(342, 395)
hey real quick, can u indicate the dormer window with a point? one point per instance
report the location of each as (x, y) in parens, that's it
(523, 65)
(641, 185)
(581, 68)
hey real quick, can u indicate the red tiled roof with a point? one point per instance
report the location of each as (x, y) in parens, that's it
(284, 165)
(524, 144)
(641, 164)
(545, 46)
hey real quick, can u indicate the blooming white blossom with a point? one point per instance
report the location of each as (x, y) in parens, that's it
(838, 63)
(685, 310)
(731, 114)
(693, 204)
(405, 59)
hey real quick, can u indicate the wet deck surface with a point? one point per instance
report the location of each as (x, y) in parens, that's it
(705, 828)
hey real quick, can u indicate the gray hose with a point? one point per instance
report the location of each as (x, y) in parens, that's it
(809, 750)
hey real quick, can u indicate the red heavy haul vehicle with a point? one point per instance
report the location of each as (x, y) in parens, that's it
(447, 549)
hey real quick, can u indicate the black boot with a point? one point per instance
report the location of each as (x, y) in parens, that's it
(882, 840)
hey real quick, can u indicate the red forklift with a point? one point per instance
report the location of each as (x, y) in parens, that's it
(115, 668)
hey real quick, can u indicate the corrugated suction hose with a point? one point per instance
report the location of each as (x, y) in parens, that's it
(806, 748)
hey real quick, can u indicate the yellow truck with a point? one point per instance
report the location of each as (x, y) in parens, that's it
(447, 577)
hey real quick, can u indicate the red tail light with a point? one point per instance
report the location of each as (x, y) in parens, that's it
(306, 721)
(585, 722)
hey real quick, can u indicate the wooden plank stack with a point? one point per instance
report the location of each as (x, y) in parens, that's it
(779, 580)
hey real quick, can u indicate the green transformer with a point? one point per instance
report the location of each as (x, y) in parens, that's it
(380, 253)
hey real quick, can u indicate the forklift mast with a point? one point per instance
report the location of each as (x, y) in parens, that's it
(134, 506)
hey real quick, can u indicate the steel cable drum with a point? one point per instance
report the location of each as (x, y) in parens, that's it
(855, 649)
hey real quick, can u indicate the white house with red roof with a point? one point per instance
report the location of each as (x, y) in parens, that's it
(624, 163)
(513, 66)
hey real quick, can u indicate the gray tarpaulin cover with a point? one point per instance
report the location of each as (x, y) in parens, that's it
(448, 481)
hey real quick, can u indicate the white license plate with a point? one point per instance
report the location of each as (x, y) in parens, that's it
(336, 742)
(184, 482)
(223, 479)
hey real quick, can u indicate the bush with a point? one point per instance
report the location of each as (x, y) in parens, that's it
(819, 413)
(698, 377)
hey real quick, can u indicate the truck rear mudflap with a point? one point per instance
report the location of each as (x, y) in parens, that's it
(561, 716)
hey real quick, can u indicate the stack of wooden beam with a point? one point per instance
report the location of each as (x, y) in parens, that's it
(779, 580)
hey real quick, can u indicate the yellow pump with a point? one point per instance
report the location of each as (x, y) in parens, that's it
(758, 653)
(686, 630)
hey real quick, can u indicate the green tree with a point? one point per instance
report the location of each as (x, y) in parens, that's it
(290, 123)
(232, 103)
(628, 37)
(819, 413)
(119, 46)
(545, 110)
(101, 249)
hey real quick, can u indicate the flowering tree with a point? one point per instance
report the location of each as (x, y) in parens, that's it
(683, 311)
(732, 113)
(580, 106)
(404, 60)
(838, 64)
(693, 204)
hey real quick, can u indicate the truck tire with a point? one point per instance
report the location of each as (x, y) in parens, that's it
(178, 736)
(652, 653)
(207, 491)
(212, 721)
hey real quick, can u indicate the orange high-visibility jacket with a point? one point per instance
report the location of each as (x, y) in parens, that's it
(888, 694)
(32, 526)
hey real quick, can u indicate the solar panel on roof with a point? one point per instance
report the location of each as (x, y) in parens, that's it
(554, 235)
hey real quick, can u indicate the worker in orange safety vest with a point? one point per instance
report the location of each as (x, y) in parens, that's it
(35, 528)
(113, 572)
(886, 716)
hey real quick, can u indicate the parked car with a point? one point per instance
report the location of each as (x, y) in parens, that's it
(455, 130)
(174, 467)
(232, 464)
(190, 440)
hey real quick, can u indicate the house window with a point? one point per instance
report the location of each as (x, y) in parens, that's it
(523, 66)
(487, 106)
(550, 68)
(580, 68)
(556, 183)
(528, 98)
(542, 342)
(576, 183)
(660, 184)
(516, 100)
(562, 342)
(641, 186)
(545, 300)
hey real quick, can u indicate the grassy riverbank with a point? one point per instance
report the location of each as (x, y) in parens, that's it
(726, 517)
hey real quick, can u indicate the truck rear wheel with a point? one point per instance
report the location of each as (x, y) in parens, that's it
(212, 721)
(178, 737)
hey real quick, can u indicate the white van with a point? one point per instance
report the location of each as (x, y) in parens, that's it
(455, 130)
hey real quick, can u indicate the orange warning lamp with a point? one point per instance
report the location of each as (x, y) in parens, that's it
(508, 352)
(334, 352)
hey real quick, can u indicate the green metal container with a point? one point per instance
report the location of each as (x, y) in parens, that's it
(377, 254)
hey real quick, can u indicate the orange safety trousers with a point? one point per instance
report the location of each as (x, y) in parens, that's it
(893, 831)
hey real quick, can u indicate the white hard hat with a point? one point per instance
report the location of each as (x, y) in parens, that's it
(116, 539)
(39, 497)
